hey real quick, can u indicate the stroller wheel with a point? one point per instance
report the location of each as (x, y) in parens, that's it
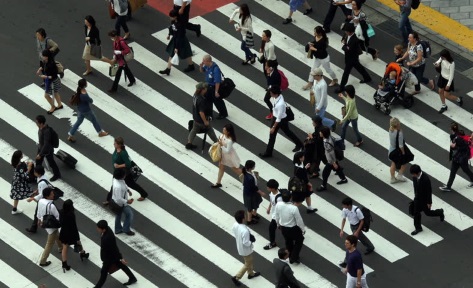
(387, 111)
(408, 101)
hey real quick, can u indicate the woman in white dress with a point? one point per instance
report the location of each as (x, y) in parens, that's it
(229, 155)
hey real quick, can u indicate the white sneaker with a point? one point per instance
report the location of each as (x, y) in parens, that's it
(393, 180)
(401, 178)
(18, 211)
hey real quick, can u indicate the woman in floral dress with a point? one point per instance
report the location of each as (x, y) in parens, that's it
(20, 188)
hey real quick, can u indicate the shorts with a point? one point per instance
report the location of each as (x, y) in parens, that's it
(52, 86)
(294, 4)
(442, 83)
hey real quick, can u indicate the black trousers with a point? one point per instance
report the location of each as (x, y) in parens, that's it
(454, 169)
(328, 169)
(34, 225)
(272, 231)
(331, 15)
(217, 101)
(51, 162)
(294, 239)
(365, 47)
(121, 22)
(267, 100)
(423, 208)
(185, 17)
(346, 72)
(104, 272)
(128, 74)
(284, 126)
(135, 186)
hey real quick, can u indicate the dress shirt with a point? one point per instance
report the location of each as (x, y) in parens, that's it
(120, 195)
(320, 92)
(51, 210)
(279, 109)
(268, 52)
(242, 237)
(287, 215)
(354, 215)
(41, 186)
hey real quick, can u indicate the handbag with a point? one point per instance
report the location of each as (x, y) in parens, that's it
(175, 59)
(49, 220)
(135, 171)
(111, 12)
(411, 208)
(396, 155)
(112, 70)
(370, 31)
(96, 51)
(249, 40)
(117, 209)
(289, 114)
(215, 152)
(226, 87)
(130, 56)
(312, 98)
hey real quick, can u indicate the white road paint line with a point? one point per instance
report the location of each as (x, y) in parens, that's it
(12, 278)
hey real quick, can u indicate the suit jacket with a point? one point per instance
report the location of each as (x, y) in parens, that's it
(284, 275)
(94, 35)
(45, 146)
(422, 191)
(109, 252)
(274, 78)
(352, 49)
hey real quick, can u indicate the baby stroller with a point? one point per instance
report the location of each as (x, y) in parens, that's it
(394, 93)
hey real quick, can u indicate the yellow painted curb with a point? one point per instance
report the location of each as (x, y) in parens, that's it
(439, 23)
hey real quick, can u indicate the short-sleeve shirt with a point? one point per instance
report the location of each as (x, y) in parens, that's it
(273, 201)
(212, 74)
(354, 262)
(199, 105)
(354, 215)
(413, 50)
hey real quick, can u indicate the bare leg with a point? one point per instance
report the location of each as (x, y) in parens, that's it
(87, 66)
(58, 99)
(15, 203)
(221, 171)
(65, 247)
(236, 170)
(442, 95)
(50, 101)
(392, 169)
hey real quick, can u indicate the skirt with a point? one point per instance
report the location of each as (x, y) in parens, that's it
(231, 159)
(52, 86)
(183, 52)
(86, 54)
(252, 202)
(442, 83)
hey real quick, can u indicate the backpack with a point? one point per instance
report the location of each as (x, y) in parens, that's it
(54, 138)
(284, 81)
(295, 185)
(415, 4)
(427, 51)
(367, 218)
(338, 147)
(470, 145)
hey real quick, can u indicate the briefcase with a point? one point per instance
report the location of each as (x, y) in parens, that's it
(226, 87)
(66, 158)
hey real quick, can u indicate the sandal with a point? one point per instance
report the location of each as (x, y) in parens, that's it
(59, 107)
(51, 112)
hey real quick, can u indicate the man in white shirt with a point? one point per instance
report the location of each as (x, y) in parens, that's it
(121, 9)
(356, 219)
(293, 229)
(183, 7)
(274, 199)
(279, 122)
(120, 194)
(244, 242)
(47, 207)
(320, 93)
(42, 184)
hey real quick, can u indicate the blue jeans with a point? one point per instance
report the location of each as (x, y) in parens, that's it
(325, 121)
(248, 54)
(80, 118)
(354, 124)
(128, 219)
(405, 25)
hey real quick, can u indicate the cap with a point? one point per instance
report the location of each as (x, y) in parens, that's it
(349, 27)
(201, 85)
(317, 72)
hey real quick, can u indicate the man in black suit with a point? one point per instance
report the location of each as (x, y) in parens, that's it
(422, 198)
(110, 255)
(284, 274)
(273, 78)
(352, 49)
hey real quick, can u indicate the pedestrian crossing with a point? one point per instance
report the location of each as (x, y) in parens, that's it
(200, 249)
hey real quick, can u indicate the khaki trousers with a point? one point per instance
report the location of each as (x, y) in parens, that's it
(53, 237)
(247, 267)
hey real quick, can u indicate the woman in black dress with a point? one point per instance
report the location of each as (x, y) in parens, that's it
(20, 187)
(252, 195)
(179, 43)
(69, 234)
(300, 171)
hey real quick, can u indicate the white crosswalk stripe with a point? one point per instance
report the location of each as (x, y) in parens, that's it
(212, 254)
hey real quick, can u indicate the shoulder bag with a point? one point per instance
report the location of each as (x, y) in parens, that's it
(396, 155)
(289, 114)
(49, 220)
(117, 209)
(215, 152)
(135, 171)
(96, 51)
(226, 86)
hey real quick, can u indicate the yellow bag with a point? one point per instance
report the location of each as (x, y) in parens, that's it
(215, 152)
(312, 98)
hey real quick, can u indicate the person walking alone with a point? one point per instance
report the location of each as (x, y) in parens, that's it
(273, 78)
(69, 234)
(183, 8)
(45, 147)
(459, 155)
(47, 207)
(319, 92)
(120, 196)
(120, 49)
(20, 187)
(110, 255)
(229, 156)
(351, 115)
(279, 121)
(37, 195)
(284, 274)
(49, 73)
(92, 40)
(445, 81)
(244, 26)
(396, 142)
(213, 78)
(121, 159)
(252, 195)
(244, 242)
(422, 198)
(356, 276)
(404, 23)
(82, 100)
(274, 198)
(121, 9)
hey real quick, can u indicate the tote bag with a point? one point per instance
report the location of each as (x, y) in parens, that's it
(215, 152)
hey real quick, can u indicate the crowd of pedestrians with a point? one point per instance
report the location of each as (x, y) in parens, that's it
(320, 145)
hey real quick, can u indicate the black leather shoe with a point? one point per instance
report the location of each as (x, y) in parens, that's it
(47, 263)
(190, 146)
(31, 230)
(369, 251)
(131, 84)
(415, 232)
(254, 275)
(442, 217)
(366, 81)
(166, 71)
(54, 178)
(198, 32)
(236, 281)
(112, 90)
(130, 281)
(130, 233)
(265, 155)
(296, 149)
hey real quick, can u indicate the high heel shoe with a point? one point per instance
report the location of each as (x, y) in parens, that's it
(83, 255)
(166, 71)
(65, 266)
(253, 59)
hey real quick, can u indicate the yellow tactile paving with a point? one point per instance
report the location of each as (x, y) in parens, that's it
(439, 23)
